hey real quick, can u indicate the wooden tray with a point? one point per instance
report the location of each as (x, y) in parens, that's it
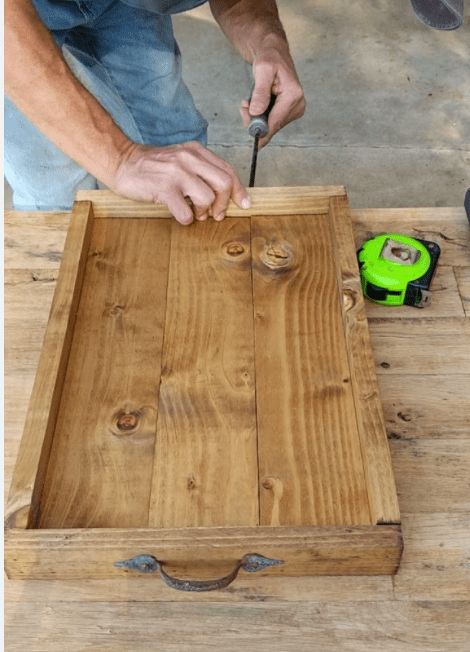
(205, 401)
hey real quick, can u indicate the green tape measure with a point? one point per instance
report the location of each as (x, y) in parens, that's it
(397, 270)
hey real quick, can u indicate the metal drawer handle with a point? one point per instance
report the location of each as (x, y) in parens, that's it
(149, 564)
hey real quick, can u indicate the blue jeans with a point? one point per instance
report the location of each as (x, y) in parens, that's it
(124, 52)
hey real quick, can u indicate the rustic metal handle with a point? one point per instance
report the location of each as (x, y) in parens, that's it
(149, 564)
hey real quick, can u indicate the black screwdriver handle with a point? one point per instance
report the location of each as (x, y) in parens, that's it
(259, 123)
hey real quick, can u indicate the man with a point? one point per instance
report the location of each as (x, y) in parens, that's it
(94, 93)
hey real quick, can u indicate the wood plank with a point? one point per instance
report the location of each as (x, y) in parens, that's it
(435, 564)
(44, 404)
(245, 589)
(203, 552)
(264, 201)
(28, 298)
(205, 470)
(463, 281)
(426, 406)
(388, 626)
(445, 301)
(421, 346)
(34, 239)
(432, 475)
(311, 469)
(446, 226)
(369, 413)
(102, 455)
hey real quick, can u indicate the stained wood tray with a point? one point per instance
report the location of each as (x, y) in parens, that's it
(205, 401)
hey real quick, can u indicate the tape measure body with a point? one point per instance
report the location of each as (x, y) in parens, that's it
(397, 269)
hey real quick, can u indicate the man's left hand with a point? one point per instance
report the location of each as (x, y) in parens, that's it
(274, 72)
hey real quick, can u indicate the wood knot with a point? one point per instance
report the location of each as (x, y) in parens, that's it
(128, 421)
(267, 484)
(276, 255)
(191, 483)
(125, 422)
(114, 310)
(138, 422)
(349, 300)
(235, 249)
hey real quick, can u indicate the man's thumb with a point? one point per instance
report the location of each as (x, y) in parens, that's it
(260, 98)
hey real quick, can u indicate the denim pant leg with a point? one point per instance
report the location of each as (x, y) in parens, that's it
(140, 53)
(128, 59)
(42, 177)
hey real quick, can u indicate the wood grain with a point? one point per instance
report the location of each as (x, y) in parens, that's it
(264, 201)
(203, 552)
(102, 456)
(368, 408)
(40, 244)
(247, 588)
(436, 462)
(205, 470)
(463, 281)
(389, 626)
(435, 563)
(421, 346)
(425, 406)
(33, 455)
(311, 469)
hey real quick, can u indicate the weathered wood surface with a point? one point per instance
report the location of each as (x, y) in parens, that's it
(426, 605)
(140, 627)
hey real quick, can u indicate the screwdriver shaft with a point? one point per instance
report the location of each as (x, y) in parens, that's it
(254, 159)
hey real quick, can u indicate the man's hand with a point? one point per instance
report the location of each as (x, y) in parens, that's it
(169, 174)
(256, 31)
(274, 72)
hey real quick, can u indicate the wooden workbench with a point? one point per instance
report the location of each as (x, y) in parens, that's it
(423, 364)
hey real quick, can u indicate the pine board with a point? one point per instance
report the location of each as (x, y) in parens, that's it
(303, 379)
(207, 411)
(100, 466)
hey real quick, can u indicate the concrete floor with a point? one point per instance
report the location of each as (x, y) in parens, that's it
(388, 101)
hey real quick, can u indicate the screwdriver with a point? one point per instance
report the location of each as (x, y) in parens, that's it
(258, 128)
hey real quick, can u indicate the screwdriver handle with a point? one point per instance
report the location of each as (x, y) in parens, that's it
(259, 123)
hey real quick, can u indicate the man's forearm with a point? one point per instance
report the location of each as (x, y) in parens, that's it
(250, 25)
(40, 83)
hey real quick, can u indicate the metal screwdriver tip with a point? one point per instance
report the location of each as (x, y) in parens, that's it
(254, 159)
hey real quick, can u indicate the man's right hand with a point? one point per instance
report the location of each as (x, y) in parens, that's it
(171, 174)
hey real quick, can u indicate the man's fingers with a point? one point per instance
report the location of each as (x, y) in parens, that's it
(285, 110)
(245, 112)
(199, 192)
(220, 183)
(264, 79)
(238, 192)
(178, 207)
